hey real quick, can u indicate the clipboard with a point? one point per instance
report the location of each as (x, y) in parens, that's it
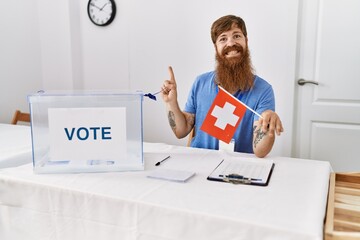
(243, 171)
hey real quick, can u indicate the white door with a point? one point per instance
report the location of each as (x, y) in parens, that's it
(327, 123)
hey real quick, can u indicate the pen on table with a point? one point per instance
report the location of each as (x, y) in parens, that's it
(158, 163)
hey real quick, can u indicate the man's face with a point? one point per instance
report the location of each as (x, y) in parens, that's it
(231, 44)
(233, 70)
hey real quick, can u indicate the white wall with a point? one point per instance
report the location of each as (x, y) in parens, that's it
(147, 36)
(20, 55)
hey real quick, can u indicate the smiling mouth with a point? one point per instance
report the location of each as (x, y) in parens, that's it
(232, 53)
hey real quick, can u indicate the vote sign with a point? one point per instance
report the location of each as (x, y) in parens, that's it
(87, 133)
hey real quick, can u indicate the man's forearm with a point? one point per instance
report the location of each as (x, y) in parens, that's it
(177, 120)
(262, 142)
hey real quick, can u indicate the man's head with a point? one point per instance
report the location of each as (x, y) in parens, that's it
(224, 24)
(234, 69)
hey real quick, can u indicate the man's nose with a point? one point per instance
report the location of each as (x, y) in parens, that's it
(230, 42)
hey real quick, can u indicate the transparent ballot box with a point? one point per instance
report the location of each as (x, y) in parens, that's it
(86, 131)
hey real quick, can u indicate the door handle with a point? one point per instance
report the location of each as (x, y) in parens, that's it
(301, 82)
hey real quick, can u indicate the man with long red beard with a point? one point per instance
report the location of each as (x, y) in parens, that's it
(235, 74)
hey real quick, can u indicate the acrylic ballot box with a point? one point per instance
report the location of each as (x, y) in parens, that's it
(86, 132)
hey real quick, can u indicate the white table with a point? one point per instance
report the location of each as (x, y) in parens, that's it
(15, 145)
(128, 205)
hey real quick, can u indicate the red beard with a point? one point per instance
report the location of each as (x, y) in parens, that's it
(235, 73)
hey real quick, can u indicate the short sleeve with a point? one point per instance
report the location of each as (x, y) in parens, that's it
(266, 101)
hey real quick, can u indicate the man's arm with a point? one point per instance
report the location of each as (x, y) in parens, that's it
(264, 133)
(180, 122)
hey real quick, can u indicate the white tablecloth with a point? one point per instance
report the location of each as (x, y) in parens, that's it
(128, 205)
(15, 145)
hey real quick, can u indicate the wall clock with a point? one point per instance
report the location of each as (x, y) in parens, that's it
(101, 12)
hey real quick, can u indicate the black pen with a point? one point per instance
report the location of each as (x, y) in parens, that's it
(236, 176)
(158, 163)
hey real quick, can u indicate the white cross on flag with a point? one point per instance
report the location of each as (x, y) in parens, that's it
(224, 116)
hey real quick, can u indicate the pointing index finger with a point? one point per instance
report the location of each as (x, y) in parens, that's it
(171, 72)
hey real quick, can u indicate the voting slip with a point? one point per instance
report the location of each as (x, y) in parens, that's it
(243, 171)
(171, 175)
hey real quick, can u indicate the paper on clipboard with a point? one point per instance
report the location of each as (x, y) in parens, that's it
(245, 171)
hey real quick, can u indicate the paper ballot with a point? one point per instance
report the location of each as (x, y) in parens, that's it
(171, 175)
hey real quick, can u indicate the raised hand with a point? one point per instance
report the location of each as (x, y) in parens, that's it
(169, 92)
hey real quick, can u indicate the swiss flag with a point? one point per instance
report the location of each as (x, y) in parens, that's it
(224, 116)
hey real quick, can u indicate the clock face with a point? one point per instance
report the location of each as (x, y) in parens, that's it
(101, 12)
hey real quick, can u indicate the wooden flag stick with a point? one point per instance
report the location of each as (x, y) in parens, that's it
(242, 103)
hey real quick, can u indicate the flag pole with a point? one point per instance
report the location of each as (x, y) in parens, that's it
(242, 103)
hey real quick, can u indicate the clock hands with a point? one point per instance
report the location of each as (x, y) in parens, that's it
(100, 9)
(103, 6)
(93, 4)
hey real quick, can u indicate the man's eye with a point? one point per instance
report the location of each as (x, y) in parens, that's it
(237, 36)
(222, 39)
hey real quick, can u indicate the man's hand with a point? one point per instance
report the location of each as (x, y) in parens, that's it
(169, 92)
(180, 122)
(264, 132)
(270, 123)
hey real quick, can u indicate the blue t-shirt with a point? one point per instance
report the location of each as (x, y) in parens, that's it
(203, 92)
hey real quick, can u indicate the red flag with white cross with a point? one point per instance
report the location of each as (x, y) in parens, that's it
(224, 116)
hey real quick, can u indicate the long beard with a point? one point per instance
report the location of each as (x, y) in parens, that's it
(234, 73)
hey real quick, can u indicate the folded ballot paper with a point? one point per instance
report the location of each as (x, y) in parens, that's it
(171, 175)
